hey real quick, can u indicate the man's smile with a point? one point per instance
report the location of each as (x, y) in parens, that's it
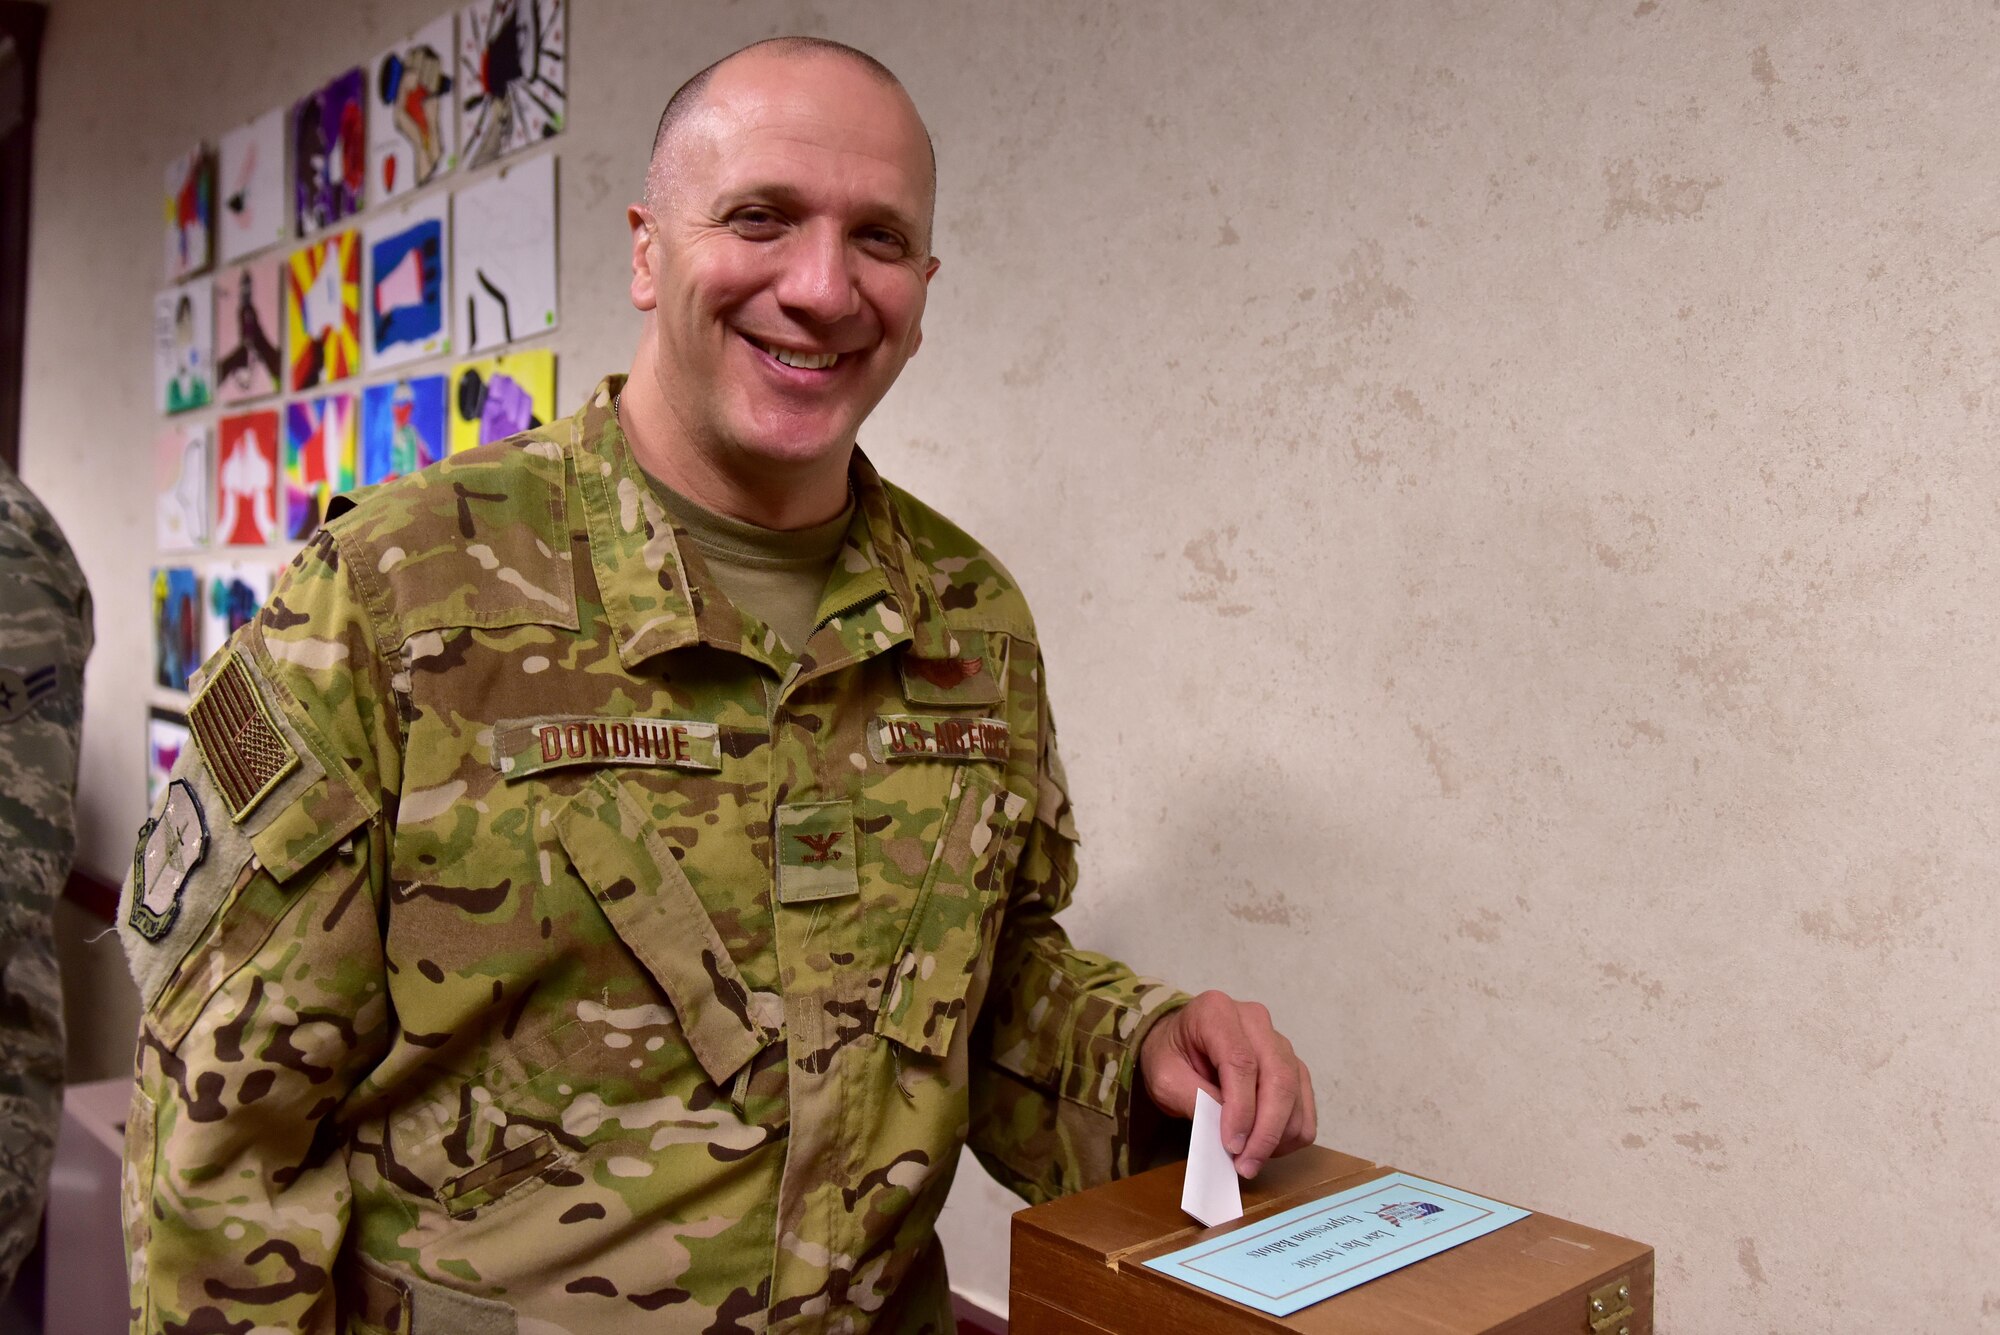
(797, 360)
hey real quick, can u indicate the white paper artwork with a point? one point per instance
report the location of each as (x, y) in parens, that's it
(235, 592)
(513, 75)
(181, 488)
(184, 347)
(503, 261)
(250, 184)
(412, 113)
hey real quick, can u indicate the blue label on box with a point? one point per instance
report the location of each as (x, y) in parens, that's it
(1295, 1259)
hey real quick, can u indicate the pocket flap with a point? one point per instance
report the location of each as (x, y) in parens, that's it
(933, 964)
(971, 676)
(639, 884)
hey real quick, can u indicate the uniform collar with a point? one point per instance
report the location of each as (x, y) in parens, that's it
(657, 595)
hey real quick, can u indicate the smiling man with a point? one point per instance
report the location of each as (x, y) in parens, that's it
(616, 874)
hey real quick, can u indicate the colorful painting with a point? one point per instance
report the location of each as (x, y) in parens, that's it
(499, 396)
(166, 739)
(248, 364)
(176, 626)
(246, 479)
(250, 178)
(180, 488)
(190, 214)
(412, 124)
(407, 284)
(402, 427)
(184, 347)
(504, 256)
(512, 73)
(319, 459)
(235, 592)
(329, 153)
(323, 312)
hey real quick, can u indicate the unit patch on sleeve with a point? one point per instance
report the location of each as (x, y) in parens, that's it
(171, 846)
(526, 746)
(920, 737)
(243, 749)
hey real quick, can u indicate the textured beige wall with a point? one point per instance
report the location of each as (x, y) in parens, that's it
(1507, 489)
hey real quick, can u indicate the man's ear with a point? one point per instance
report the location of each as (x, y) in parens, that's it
(645, 294)
(930, 272)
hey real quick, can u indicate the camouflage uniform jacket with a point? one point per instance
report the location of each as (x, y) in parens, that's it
(45, 637)
(529, 943)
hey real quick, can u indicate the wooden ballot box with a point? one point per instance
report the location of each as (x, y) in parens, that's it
(1078, 1268)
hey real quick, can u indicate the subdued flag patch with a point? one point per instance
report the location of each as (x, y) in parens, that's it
(243, 749)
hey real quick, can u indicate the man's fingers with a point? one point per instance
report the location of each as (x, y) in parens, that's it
(1277, 1091)
(1221, 1039)
(1309, 1105)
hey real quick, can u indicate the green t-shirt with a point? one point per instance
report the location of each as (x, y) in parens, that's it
(774, 575)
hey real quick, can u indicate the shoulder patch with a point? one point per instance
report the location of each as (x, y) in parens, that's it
(240, 744)
(171, 846)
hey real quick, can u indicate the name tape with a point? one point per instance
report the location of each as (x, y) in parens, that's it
(530, 745)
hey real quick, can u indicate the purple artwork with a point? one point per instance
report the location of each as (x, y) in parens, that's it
(329, 153)
(508, 409)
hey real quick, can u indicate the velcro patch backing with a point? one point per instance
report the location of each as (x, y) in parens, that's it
(245, 752)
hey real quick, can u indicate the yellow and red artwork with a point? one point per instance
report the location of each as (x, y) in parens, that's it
(323, 312)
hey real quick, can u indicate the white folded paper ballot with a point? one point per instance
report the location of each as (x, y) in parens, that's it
(1210, 1192)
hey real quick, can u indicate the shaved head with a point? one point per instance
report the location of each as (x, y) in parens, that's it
(691, 96)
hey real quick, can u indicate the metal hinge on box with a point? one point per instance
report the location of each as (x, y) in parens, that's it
(1610, 1308)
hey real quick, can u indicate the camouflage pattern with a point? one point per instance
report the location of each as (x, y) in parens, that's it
(45, 636)
(481, 1019)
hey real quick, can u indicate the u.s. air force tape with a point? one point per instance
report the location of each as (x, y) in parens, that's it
(526, 746)
(928, 737)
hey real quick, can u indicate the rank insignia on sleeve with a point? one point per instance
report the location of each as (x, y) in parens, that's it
(171, 846)
(243, 749)
(20, 692)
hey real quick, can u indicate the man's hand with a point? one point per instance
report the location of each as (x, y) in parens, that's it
(1229, 1048)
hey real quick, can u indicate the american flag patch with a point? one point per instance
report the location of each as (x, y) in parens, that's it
(245, 753)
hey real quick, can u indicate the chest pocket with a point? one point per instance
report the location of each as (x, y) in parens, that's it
(952, 920)
(639, 884)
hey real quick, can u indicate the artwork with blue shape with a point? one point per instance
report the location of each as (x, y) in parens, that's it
(402, 427)
(407, 284)
(235, 592)
(176, 626)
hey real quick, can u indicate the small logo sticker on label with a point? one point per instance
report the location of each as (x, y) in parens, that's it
(1401, 1210)
(171, 845)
